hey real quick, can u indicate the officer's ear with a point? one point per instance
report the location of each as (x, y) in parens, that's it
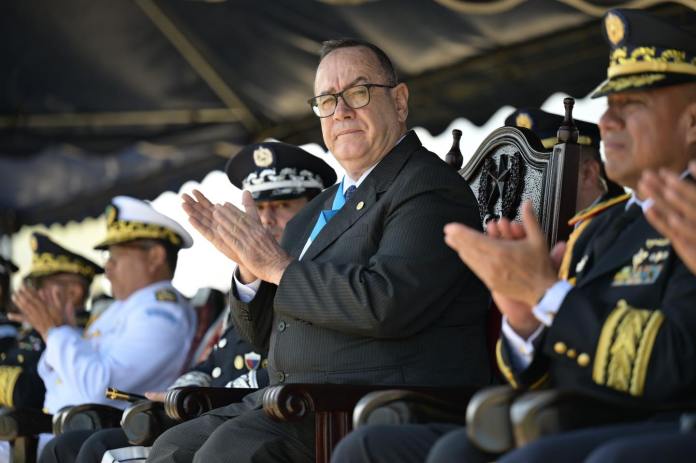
(157, 257)
(690, 114)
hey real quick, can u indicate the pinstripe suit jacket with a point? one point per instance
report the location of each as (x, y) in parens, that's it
(378, 298)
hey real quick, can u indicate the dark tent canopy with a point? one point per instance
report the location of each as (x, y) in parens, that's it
(104, 97)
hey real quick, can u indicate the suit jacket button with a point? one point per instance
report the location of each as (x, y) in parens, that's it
(217, 371)
(560, 348)
(583, 359)
(282, 325)
(281, 377)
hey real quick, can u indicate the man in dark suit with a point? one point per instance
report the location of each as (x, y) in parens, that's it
(619, 321)
(362, 289)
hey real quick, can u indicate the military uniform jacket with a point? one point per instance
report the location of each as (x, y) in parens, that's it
(230, 358)
(20, 383)
(137, 345)
(378, 297)
(628, 327)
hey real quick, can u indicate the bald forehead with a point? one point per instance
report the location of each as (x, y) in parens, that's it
(347, 66)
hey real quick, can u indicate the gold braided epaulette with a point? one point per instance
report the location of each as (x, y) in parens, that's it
(597, 208)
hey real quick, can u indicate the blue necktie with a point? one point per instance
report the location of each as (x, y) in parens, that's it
(326, 215)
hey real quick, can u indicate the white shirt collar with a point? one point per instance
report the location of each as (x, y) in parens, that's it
(644, 204)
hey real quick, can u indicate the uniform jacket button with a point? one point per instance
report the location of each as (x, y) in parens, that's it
(281, 377)
(222, 343)
(560, 348)
(571, 353)
(217, 371)
(583, 359)
(282, 325)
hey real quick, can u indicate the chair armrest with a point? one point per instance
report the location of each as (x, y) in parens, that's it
(144, 421)
(23, 422)
(86, 417)
(488, 422)
(290, 402)
(403, 406)
(185, 403)
(538, 414)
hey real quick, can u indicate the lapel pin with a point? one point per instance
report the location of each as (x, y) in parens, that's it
(360, 205)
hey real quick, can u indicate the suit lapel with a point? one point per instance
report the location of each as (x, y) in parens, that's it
(364, 197)
(618, 255)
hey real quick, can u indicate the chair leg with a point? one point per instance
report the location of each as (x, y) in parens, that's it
(331, 427)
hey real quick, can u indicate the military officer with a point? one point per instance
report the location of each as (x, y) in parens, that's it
(57, 274)
(620, 319)
(141, 342)
(593, 184)
(282, 179)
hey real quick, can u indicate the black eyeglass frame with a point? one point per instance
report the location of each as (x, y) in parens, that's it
(312, 100)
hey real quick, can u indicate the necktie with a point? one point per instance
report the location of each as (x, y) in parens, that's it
(612, 232)
(326, 215)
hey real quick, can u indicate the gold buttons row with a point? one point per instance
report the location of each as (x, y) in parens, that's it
(583, 359)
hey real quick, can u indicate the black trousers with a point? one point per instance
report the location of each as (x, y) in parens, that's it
(637, 443)
(390, 443)
(247, 436)
(83, 446)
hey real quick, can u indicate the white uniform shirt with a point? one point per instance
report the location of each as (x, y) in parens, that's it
(137, 345)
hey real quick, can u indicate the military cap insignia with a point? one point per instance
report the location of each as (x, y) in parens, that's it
(616, 30)
(523, 120)
(238, 362)
(165, 295)
(263, 157)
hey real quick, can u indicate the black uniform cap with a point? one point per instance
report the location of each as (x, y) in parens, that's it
(545, 126)
(646, 52)
(274, 171)
(50, 258)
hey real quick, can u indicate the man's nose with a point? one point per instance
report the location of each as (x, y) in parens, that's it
(267, 217)
(610, 120)
(343, 111)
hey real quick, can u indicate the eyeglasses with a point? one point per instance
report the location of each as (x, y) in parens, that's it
(355, 97)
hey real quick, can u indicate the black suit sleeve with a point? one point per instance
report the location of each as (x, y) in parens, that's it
(253, 320)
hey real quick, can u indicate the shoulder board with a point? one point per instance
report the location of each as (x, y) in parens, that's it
(597, 209)
(166, 295)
